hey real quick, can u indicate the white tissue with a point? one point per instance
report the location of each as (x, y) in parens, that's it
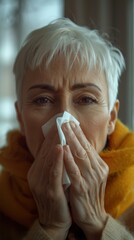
(59, 119)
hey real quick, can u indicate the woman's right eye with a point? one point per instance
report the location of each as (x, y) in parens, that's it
(41, 101)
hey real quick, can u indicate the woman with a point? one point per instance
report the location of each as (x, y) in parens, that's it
(65, 67)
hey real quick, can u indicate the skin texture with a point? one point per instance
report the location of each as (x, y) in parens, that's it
(84, 94)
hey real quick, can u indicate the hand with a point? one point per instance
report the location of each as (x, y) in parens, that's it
(88, 174)
(45, 181)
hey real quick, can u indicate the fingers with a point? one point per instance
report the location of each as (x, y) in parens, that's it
(46, 187)
(71, 166)
(55, 176)
(80, 145)
(45, 181)
(50, 140)
(46, 170)
(44, 151)
(42, 176)
(88, 175)
(83, 152)
(78, 151)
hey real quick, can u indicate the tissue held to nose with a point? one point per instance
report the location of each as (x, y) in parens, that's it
(59, 119)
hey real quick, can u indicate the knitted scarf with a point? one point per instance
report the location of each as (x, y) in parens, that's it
(16, 200)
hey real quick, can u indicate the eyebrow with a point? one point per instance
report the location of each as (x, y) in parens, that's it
(43, 86)
(74, 87)
(85, 85)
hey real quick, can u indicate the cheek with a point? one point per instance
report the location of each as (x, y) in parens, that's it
(33, 133)
(95, 130)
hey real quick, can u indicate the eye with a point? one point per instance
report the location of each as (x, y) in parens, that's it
(43, 101)
(86, 100)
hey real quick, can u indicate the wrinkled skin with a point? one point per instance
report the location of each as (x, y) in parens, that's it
(84, 94)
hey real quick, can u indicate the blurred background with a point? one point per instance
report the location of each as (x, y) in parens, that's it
(19, 17)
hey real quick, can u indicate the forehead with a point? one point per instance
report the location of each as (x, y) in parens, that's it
(59, 73)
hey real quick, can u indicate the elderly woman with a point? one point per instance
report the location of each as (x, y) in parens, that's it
(83, 187)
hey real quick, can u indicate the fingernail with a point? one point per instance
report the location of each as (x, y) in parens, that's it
(66, 148)
(66, 126)
(73, 125)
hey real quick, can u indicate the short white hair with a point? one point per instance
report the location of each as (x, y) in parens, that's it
(74, 42)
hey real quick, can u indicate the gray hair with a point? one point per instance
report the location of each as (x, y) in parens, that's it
(74, 42)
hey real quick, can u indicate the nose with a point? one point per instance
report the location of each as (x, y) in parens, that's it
(66, 104)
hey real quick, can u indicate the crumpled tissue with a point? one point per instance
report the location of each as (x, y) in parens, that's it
(59, 119)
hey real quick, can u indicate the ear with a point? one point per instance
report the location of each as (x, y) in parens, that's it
(113, 117)
(19, 117)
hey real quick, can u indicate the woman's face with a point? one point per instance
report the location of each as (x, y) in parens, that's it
(81, 92)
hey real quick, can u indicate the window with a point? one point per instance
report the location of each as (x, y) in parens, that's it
(130, 66)
(17, 19)
(131, 54)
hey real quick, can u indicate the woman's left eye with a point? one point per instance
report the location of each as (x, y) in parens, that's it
(86, 100)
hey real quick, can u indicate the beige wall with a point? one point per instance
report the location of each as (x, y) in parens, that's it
(115, 18)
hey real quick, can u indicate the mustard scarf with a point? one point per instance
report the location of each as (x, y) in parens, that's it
(16, 200)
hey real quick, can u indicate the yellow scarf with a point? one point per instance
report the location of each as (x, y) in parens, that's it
(16, 200)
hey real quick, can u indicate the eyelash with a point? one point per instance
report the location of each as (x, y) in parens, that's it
(91, 100)
(43, 101)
